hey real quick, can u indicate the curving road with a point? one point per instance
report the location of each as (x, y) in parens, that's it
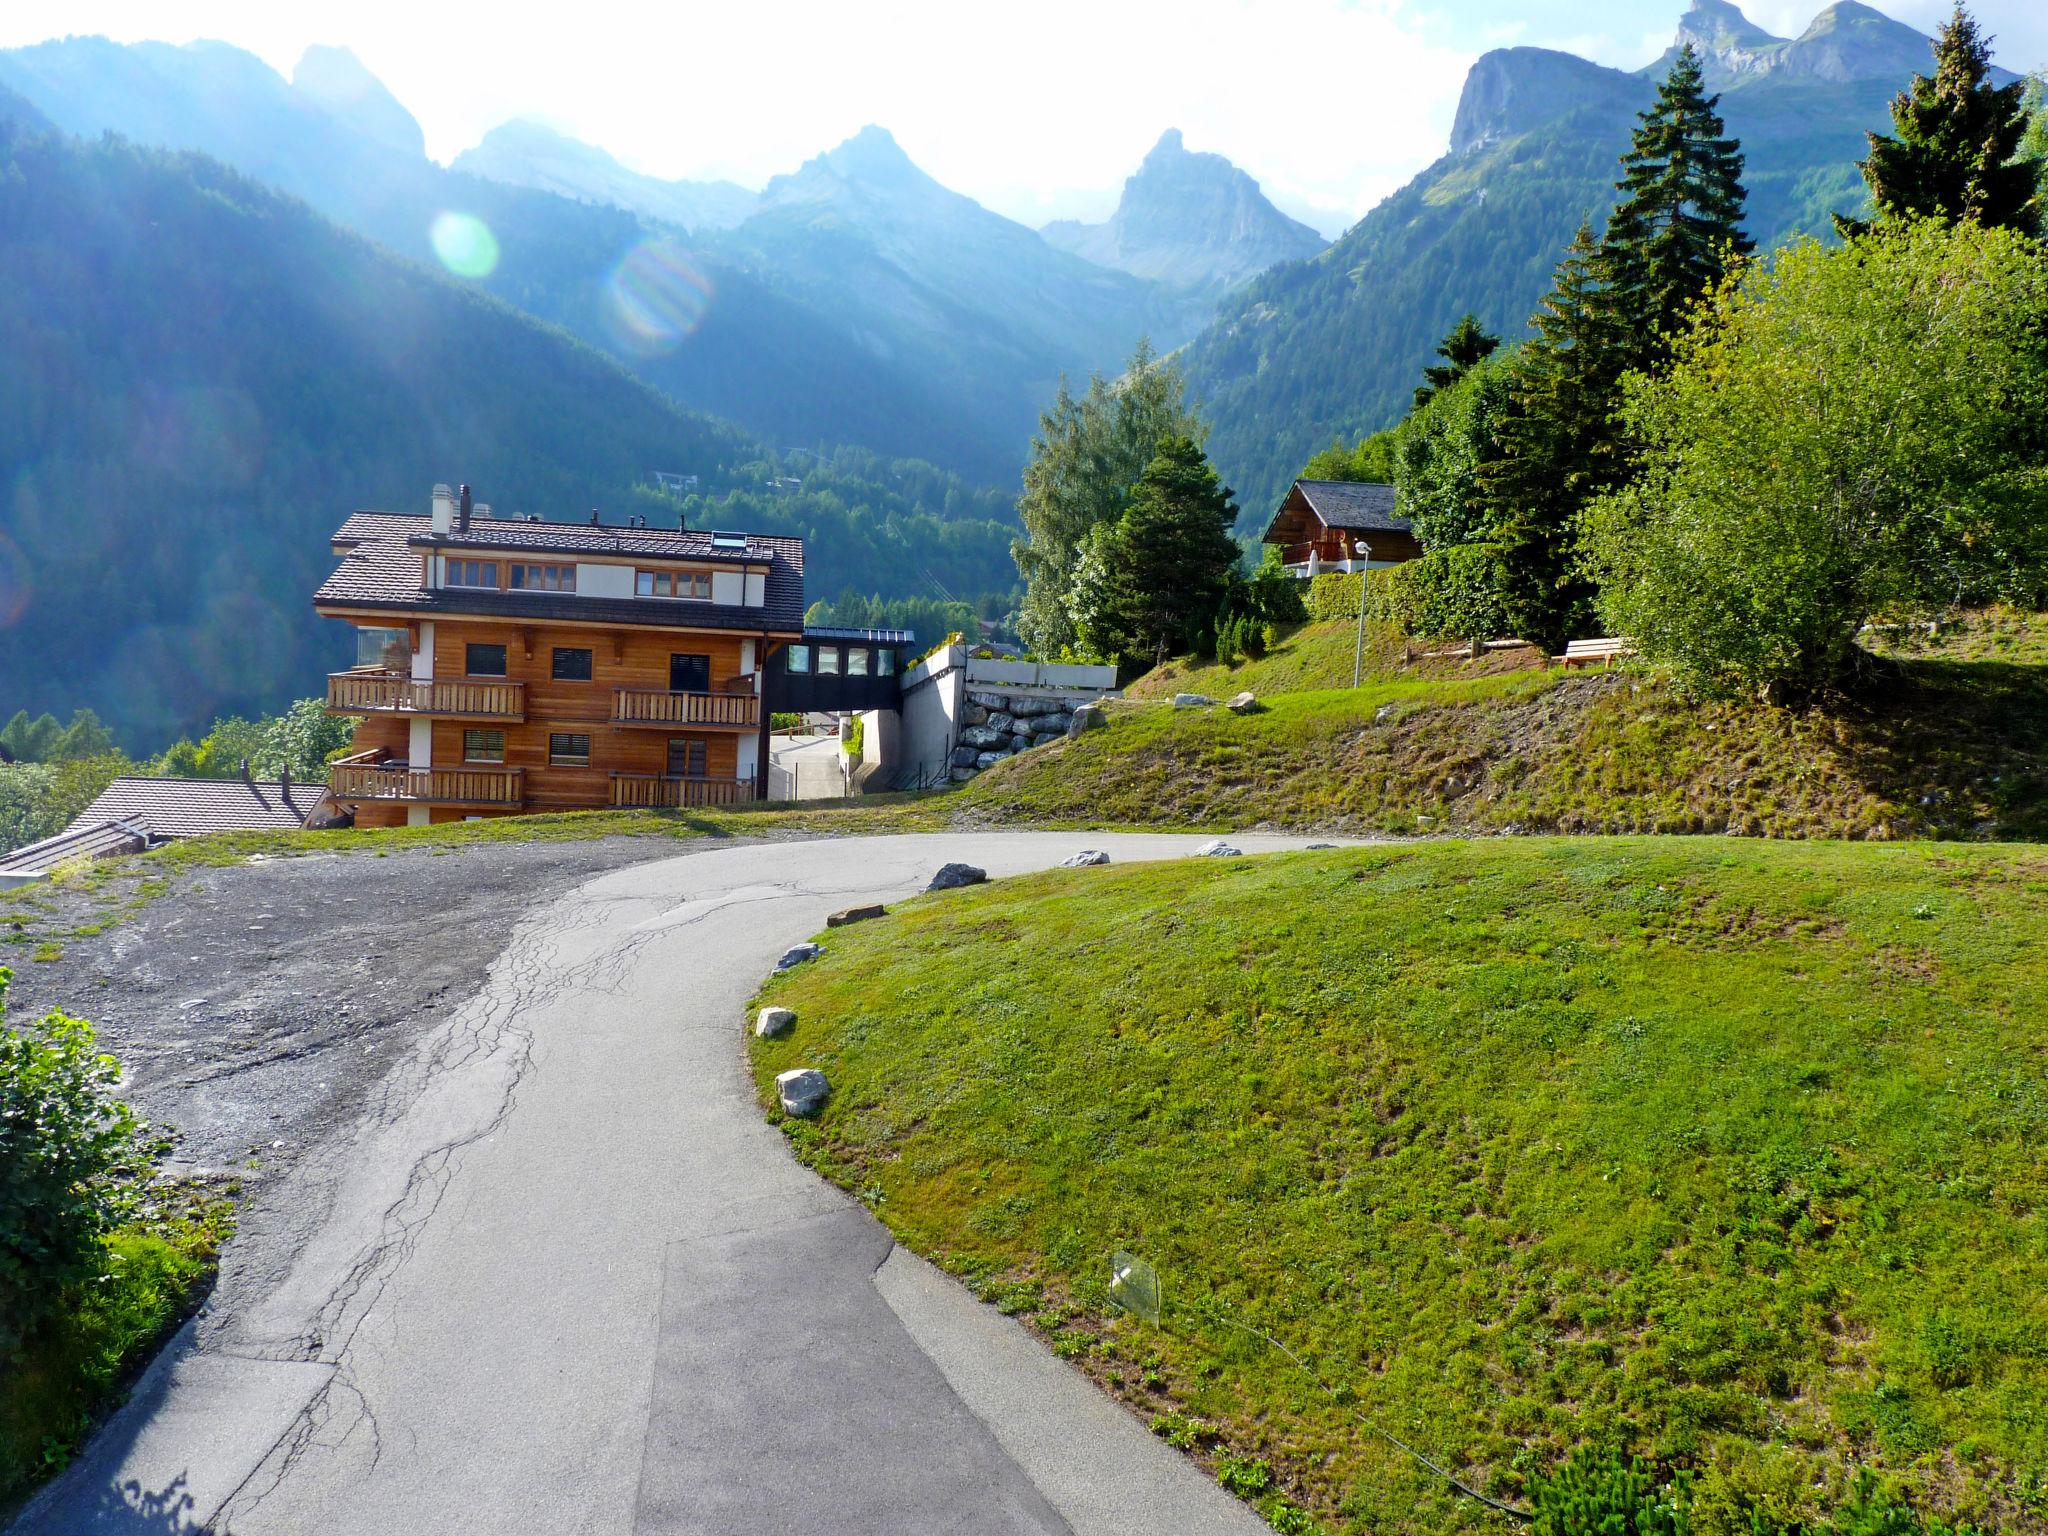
(565, 1279)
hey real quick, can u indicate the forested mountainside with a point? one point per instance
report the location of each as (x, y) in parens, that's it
(861, 307)
(1191, 221)
(203, 377)
(1334, 345)
(527, 154)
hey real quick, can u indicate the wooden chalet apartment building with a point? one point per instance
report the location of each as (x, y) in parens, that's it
(513, 665)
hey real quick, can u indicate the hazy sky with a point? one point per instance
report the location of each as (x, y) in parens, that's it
(1038, 111)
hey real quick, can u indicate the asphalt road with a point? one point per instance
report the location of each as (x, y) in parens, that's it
(562, 1277)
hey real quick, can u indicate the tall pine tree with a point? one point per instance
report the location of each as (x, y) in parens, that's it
(1558, 449)
(1677, 226)
(1468, 345)
(1954, 152)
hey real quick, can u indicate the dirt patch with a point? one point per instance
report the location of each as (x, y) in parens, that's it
(256, 1007)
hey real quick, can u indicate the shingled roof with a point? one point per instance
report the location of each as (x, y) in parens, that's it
(168, 808)
(380, 569)
(1352, 504)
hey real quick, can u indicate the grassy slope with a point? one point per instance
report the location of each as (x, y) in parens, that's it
(1955, 745)
(1730, 1152)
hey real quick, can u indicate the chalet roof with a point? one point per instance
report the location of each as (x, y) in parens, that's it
(1350, 504)
(380, 568)
(81, 840)
(191, 807)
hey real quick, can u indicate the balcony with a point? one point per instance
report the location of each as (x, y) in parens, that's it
(649, 790)
(665, 710)
(370, 777)
(389, 693)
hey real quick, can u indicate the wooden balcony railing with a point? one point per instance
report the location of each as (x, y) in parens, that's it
(648, 789)
(469, 785)
(655, 706)
(387, 693)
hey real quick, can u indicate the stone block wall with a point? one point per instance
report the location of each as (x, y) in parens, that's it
(998, 724)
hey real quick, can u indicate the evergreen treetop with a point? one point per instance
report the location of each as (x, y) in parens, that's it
(1955, 149)
(1468, 344)
(1678, 222)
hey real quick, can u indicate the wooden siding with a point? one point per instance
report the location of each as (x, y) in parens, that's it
(620, 659)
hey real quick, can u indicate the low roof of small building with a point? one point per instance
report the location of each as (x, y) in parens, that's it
(381, 554)
(80, 840)
(170, 808)
(871, 636)
(1349, 504)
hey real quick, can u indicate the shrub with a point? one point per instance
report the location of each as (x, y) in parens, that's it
(1599, 1493)
(71, 1160)
(1848, 434)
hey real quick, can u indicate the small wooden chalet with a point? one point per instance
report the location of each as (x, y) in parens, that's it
(1340, 525)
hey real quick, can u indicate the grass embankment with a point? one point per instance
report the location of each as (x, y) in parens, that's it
(1730, 1154)
(75, 1367)
(1940, 747)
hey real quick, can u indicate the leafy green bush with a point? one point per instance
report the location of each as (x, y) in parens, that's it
(1849, 434)
(71, 1160)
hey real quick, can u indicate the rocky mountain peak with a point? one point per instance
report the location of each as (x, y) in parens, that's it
(1189, 219)
(337, 80)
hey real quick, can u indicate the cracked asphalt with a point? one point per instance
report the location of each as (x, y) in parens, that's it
(526, 1255)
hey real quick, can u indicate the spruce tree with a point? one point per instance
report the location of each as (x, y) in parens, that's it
(1955, 150)
(1154, 580)
(1467, 345)
(1558, 449)
(1677, 226)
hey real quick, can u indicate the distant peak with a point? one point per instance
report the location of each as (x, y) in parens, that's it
(1169, 144)
(1719, 25)
(336, 79)
(872, 155)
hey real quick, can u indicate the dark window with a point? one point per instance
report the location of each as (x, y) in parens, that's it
(828, 660)
(565, 751)
(689, 674)
(483, 746)
(885, 663)
(686, 755)
(856, 661)
(572, 665)
(799, 658)
(544, 578)
(484, 660)
(472, 573)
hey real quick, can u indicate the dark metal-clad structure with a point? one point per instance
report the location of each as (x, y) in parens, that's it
(839, 670)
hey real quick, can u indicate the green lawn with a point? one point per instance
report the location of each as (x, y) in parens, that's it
(1730, 1153)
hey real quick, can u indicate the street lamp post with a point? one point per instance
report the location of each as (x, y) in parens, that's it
(1358, 650)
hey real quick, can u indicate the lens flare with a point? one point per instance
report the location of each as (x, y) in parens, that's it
(465, 244)
(655, 298)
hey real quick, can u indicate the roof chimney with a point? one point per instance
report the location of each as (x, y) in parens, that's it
(593, 517)
(462, 512)
(444, 509)
(245, 774)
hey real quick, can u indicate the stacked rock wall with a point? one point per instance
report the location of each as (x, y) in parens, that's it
(998, 724)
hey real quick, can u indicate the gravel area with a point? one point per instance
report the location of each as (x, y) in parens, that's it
(256, 1007)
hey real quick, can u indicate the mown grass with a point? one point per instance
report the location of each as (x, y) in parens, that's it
(75, 1368)
(1936, 748)
(1316, 657)
(1730, 1154)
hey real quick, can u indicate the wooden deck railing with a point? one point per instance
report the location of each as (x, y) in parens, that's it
(655, 706)
(386, 693)
(648, 789)
(426, 786)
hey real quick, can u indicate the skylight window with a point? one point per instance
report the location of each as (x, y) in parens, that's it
(728, 541)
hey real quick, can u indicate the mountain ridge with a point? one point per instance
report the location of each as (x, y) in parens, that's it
(525, 153)
(1193, 221)
(1333, 346)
